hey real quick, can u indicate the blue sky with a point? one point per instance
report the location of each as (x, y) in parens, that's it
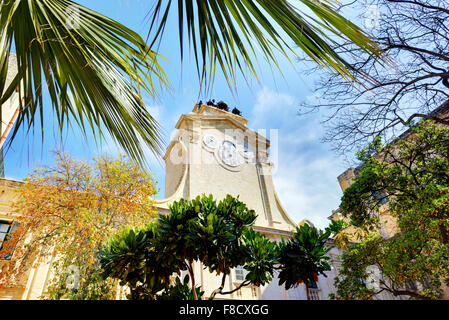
(306, 173)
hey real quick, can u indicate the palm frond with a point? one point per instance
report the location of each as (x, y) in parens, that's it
(95, 70)
(231, 34)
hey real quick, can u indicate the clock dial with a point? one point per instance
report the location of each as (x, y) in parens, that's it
(210, 141)
(229, 154)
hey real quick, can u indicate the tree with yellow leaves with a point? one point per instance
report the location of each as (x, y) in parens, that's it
(66, 212)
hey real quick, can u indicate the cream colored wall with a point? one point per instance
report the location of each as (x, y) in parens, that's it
(10, 109)
(7, 196)
(198, 172)
(9, 113)
(206, 174)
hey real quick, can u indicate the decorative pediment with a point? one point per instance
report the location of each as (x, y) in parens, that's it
(208, 110)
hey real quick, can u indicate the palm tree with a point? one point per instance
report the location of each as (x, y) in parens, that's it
(232, 34)
(96, 70)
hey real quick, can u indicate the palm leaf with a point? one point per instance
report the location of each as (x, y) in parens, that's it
(231, 34)
(94, 68)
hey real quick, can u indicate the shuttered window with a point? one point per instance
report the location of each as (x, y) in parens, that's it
(6, 229)
(240, 274)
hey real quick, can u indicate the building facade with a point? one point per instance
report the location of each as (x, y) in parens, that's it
(388, 226)
(212, 152)
(9, 111)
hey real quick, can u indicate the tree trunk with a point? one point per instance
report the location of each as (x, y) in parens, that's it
(192, 280)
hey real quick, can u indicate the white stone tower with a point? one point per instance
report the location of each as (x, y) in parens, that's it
(214, 152)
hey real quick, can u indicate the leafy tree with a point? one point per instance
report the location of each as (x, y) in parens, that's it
(96, 70)
(135, 258)
(65, 212)
(197, 230)
(407, 180)
(220, 237)
(132, 257)
(303, 257)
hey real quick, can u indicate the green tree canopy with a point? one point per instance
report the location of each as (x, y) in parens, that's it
(217, 235)
(304, 256)
(408, 180)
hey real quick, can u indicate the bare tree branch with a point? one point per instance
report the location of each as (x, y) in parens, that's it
(415, 34)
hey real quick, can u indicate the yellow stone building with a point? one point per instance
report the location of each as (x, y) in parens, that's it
(388, 224)
(346, 179)
(212, 152)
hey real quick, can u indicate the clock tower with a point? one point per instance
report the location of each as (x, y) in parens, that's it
(214, 152)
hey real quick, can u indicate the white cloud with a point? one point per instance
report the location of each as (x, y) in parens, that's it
(306, 172)
(307, 189)
(271, 105)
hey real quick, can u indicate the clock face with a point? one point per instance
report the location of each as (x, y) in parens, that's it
(229, 154)
(210, 141)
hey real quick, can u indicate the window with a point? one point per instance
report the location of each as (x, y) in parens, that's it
(240, 274)
(246, 144)
(380, 197)
(6, 228)
(312, 284)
